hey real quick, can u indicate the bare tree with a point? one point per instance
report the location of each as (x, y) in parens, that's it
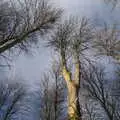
(11, 98)
(59, 91)
(23, 20)
(107, 41)
(52, 96)
(100, 92)
(69, 41)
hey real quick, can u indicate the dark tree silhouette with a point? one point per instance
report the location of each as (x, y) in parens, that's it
(52, 96)
(22, 21)
(11, 98)
(100, 94)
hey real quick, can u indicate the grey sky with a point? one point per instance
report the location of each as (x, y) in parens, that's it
(31, 68)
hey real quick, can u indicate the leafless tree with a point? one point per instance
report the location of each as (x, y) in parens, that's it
(71, 38)
(22, 21)
(100, 92)
(11, 98)
(107, 41)
(52, 100)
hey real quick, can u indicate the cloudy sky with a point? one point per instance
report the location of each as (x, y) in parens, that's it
(32, 67)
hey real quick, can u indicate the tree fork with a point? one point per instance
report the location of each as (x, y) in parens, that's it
(73, 90)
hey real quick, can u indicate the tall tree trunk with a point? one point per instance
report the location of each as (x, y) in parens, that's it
(73, 102)
(73, 91)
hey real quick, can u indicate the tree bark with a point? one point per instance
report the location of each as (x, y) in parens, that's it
(73, 91)
(73, 102)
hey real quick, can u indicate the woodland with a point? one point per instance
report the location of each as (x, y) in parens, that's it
(79, 85)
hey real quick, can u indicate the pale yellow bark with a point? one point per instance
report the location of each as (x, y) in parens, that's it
(73, 102)
(77, 74)
(73, 90)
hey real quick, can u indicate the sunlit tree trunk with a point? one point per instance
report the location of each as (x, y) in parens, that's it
(73, 86)
(73, 102)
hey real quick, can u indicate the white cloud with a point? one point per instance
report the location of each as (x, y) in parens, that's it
(81, 7)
